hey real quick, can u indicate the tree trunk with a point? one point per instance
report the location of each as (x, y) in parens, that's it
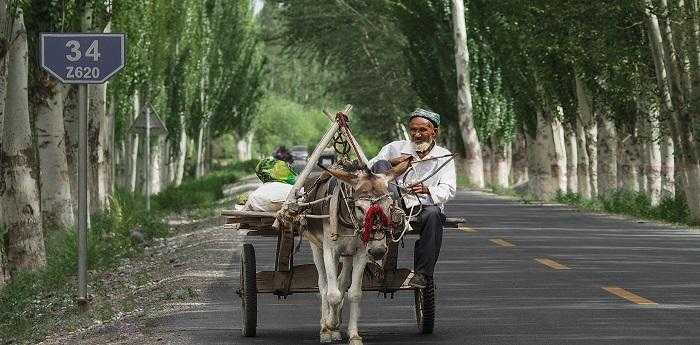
(156, 165)
(668, 180)
(3, 91)
(182, 151)
(653, 161)
(558, 156)
(571, 161)
(56, 201)
(96, 117)
(472, 147)
(607, 156)
(18, 185)
(589, 131)
(519, 174)
(499, 163)
(134, 153)
(199, 171)
(70, 124)
(583, 171)
(629, 164)
(171, 162)
(539, 159)
(641, 147)
(110, 153)
(486, 165)
(684, 126)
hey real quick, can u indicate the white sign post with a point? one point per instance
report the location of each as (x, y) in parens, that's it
(82, 58)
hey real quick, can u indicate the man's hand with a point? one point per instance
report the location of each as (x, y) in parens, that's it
(420, 189)
(400, 159)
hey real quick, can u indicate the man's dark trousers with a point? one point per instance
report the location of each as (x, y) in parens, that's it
(431, 222)
(427, 249)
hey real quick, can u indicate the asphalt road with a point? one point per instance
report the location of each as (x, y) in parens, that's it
(521, 274)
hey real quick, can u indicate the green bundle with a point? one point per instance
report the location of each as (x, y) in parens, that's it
(274, 170)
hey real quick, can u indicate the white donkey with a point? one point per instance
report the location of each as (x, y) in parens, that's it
(355, 244)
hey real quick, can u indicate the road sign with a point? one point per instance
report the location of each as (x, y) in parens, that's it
(154, 123)
(82, 58)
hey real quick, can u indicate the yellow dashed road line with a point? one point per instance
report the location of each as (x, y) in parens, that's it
(552, 264)
(502, 243)
(620, 292)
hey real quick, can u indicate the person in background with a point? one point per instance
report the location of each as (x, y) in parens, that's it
(283, 154)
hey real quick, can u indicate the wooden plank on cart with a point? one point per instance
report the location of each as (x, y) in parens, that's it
(304, 279)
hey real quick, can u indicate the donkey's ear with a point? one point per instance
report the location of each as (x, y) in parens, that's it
(345, 176)
(399, 169)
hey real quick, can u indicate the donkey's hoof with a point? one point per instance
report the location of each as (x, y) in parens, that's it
(356, 340)
(326, 338)
(336, 336)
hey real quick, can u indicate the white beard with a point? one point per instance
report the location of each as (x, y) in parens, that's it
(421, 146)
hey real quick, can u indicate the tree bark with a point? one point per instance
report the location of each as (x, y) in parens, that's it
(472, 147)
(499, 162)
(642, 150)
(70, 124)
(653, 160)
(199, 172)
(629, 164)
(539, 159)
(588, 128)
(486, 165)
(607, 156)
(558, 156)
(182, 151)
(684, 123)
(519, 174)
(583, 171)
(56, 201)
(156, 164)
(18, 185)
(668, 180)
(571, 161)
(134, 152)
(3, 91)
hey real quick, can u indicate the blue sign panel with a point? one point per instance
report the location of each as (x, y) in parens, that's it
(82, 58)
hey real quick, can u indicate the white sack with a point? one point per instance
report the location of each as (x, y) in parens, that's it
(269, 197)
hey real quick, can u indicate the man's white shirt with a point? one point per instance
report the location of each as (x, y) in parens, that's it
(442, 185)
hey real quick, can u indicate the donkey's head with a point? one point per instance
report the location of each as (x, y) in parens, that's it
(372, 204)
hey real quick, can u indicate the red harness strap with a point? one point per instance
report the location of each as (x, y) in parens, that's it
(368, 227)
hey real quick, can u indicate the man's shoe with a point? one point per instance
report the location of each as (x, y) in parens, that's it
(418, 281)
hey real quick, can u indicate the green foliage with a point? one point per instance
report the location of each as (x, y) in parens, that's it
(636, 204)
(29, 298)
(284, 122)
(200, 193)
(360, 43)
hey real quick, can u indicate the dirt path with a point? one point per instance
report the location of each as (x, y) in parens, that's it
(172, 278)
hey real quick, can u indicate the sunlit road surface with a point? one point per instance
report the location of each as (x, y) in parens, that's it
(513, 274)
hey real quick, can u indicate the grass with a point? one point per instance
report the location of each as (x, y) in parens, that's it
(201, 194)
(637, 204)
(33, 303)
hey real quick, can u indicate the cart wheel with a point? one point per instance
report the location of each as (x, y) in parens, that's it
(425, 308)
(249, 291)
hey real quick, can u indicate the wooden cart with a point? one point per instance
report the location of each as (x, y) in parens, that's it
(288, 278)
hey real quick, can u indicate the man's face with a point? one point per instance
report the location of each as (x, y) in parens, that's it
(422, 130)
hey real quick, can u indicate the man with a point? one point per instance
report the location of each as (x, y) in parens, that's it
(427, 193)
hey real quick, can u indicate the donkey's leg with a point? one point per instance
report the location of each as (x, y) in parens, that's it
(325, 335)
(333, 294)
(354, 296)
(344, 280)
